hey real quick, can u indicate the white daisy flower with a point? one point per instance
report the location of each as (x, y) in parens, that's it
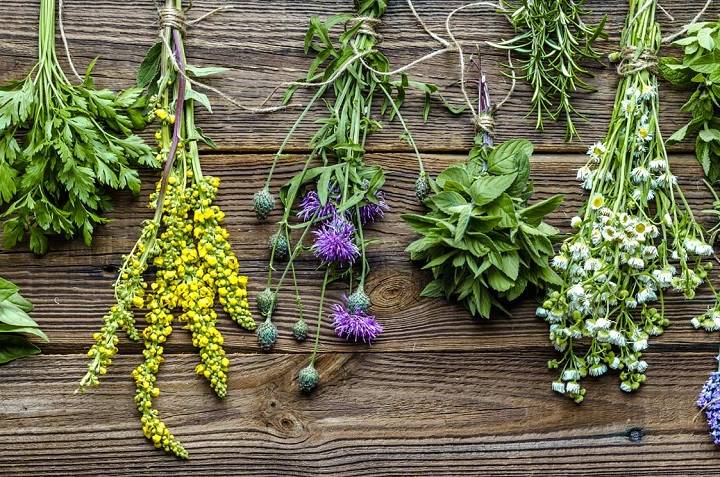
(560, 262)
(596, 150)
(572, 388)
(583, 173)
(558, 387)
(657, 165)
(575, 222)
(636, 263)
(640, 175)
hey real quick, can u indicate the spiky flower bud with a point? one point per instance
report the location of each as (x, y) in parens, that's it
(267, 334)
(279, 242)
(358, 301)
(263, 203)
(422, 186)
(266, 301)
(300, 330)
(308, 379)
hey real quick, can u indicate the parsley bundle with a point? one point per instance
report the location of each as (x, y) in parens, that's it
(482, 241)
(63, 148)
(636, 237)
(194, 266)
(699, 69)
(553, 40)
(340, 197)
(15, 323)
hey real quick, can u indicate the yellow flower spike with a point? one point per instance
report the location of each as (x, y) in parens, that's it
(161, 114)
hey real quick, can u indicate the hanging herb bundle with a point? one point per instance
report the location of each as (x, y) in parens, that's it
(63, 147)
(484, 244)
(553, 40)
(15, 323)
(185, 242)
(699, 69)
(337, 199)
(635, 239)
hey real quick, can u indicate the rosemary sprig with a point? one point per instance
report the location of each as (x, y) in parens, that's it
(553, 40)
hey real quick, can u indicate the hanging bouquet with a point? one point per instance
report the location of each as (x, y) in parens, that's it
(335, 201)
(553, 40)
(482, 241)
(635, 239)
(63, 148)
(194, 266)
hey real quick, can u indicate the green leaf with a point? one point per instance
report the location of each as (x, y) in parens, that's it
(11, 314)
(488, 188)
(150, 66)
(678, 135)
(709, 135)
(31, 330)
(434, 289)
(498, 281)
(7, 289)
(447, 201)
(13, 347)
(535, 214)
(510, 157)
(704, 38)
(198, 97)
(202, 71)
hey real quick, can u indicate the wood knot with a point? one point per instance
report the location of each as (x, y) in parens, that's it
(635, 434)
(391, 292)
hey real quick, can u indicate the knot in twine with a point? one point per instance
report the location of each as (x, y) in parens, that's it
(170, 17)
(485, 121)
(633, 61)
(367, 26)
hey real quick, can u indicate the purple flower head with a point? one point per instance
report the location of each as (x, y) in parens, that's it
(358, 326)
(709, 401)
(310, 207)
(370, 212)
(334, 242)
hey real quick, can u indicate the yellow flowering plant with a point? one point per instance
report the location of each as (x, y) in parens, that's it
(185, 242)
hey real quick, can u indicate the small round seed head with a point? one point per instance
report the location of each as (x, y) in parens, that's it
(279, 242)
(308, 379)
(358, 301)
(267, 335)
(422, 187)
(263, 203)
(300, 330)
(266, 301)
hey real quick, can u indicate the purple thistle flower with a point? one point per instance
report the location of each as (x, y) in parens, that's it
(310, 207)
(709, 401)
(334, 242)
(370, 212)
(358, 326)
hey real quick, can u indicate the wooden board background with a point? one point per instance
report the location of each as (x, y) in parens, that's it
(440, 393)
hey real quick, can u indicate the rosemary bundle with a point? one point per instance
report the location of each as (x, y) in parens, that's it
(482, 241)
(636, 237)
(553, 40)
(339, 198)
(15, 323)
(63, 147)
(185, 242)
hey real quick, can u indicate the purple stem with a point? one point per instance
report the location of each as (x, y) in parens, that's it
(484, 105)
(179, 106)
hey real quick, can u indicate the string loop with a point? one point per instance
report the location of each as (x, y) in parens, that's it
(632, 60)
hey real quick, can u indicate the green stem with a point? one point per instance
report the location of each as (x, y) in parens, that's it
(319, 318)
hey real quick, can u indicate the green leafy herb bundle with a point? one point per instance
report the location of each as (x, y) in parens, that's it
(636, 238)
(482, 241)
(335, 200)
(553, 40)
(15, 323)
(184, 245)
(699, 69)
(63, 147)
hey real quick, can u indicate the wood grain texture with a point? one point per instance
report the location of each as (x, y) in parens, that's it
(439, 394)
(481, 413)
(262, 41)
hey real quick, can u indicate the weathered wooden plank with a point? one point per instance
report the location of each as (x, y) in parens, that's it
(487, 413)
(263, 42)
(71, 286)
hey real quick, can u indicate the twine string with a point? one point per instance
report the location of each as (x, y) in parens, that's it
(170, 17)
(485, 121)
(672, 37)
(633, 60)
(65, 41)
(367, 26)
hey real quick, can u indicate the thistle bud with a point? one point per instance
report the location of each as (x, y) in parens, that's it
(267, 334)
(308, 379)
(300, 330)
(279, 243)
(266, 301)
(358, 301)
(422, 187)
(263, 203)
